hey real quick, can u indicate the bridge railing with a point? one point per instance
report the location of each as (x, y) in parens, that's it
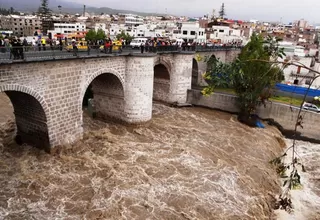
(33, 53)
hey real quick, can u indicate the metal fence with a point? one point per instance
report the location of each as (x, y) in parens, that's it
(7, 55)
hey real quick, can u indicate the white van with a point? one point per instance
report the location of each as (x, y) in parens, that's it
(137, 42)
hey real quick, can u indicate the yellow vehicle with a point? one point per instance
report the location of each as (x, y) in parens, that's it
(115, 45)
(81, 45)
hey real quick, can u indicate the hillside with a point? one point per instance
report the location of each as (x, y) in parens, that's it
(67, 7)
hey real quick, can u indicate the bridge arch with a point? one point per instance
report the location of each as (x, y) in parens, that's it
(161, 83)
(31, 111)
(107, 87)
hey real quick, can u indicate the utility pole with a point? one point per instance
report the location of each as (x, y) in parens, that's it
(84, 10)
(60, 7)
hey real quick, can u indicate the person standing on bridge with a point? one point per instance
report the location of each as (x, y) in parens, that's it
(43, 42)
(34, 44)
(74, 47)
(142, 47)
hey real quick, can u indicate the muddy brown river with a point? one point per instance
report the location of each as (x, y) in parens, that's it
(187, 163)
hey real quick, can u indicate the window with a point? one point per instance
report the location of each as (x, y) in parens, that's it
(185, 32)
(221, 31)
(193, 33)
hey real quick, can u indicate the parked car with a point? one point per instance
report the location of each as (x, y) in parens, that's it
(311, 107)
(136, 43)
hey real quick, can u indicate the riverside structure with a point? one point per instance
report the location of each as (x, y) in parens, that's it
(47, 93)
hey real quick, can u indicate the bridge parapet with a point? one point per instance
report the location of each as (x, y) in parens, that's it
(31, 54)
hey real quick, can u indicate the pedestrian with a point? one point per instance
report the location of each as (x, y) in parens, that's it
(39, 44)
(60, 44)
(25, 44)
(14, 50)
(142, 47)
(74, 47)
(20, 53)
(34, 44)
(43, 42)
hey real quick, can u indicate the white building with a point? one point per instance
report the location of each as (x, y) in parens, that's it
(297, 75)
(225, 34)
(67, 28)
(130, 20)
(190, 32)
(101, 26)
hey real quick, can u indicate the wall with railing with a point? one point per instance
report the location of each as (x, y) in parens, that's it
(282, 114)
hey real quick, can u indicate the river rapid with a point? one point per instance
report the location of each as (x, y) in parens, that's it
(187, 163)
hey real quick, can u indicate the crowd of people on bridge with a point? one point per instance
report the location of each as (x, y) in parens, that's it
(16, 47)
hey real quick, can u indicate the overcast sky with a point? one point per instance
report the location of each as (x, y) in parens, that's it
(274, 10)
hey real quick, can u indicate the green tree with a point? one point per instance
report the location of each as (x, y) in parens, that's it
(222, 11)
(44, 9)
(252, 75)
(101, 35)
(127, 37)
(91, 36)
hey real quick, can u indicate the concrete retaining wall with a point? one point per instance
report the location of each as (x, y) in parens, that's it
(285, 115)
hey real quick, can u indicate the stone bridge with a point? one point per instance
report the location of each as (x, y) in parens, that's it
(47, 96)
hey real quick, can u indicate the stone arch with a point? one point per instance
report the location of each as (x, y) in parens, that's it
(161, 83)
(164, 63)
(31, 115)
(95, 75)
(195, 73)
(212, 58)
(108, 91)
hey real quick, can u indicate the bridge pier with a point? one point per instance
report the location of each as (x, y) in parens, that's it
(181, 76)
(139, 89)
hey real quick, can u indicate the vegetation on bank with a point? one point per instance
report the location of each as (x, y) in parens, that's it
(251, 76)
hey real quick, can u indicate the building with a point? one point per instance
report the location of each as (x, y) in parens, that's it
(189, 32)
(21, 25)
(63, 29)
(130, 20)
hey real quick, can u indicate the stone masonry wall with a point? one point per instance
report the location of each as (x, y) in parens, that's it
(108, 96)
(281, 113)
(180, 77)
(30, 118)
(161, 83)
(138, 88)
(59, 87)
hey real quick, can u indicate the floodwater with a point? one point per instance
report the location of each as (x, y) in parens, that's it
(187, 163)
(306, 200)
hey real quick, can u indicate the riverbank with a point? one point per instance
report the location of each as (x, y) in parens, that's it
(189, 163)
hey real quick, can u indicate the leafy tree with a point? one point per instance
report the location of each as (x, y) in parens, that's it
(44, 9)
(101, 35)
(252, 76)
(91, 35)
(127, 37)
(222, 12)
